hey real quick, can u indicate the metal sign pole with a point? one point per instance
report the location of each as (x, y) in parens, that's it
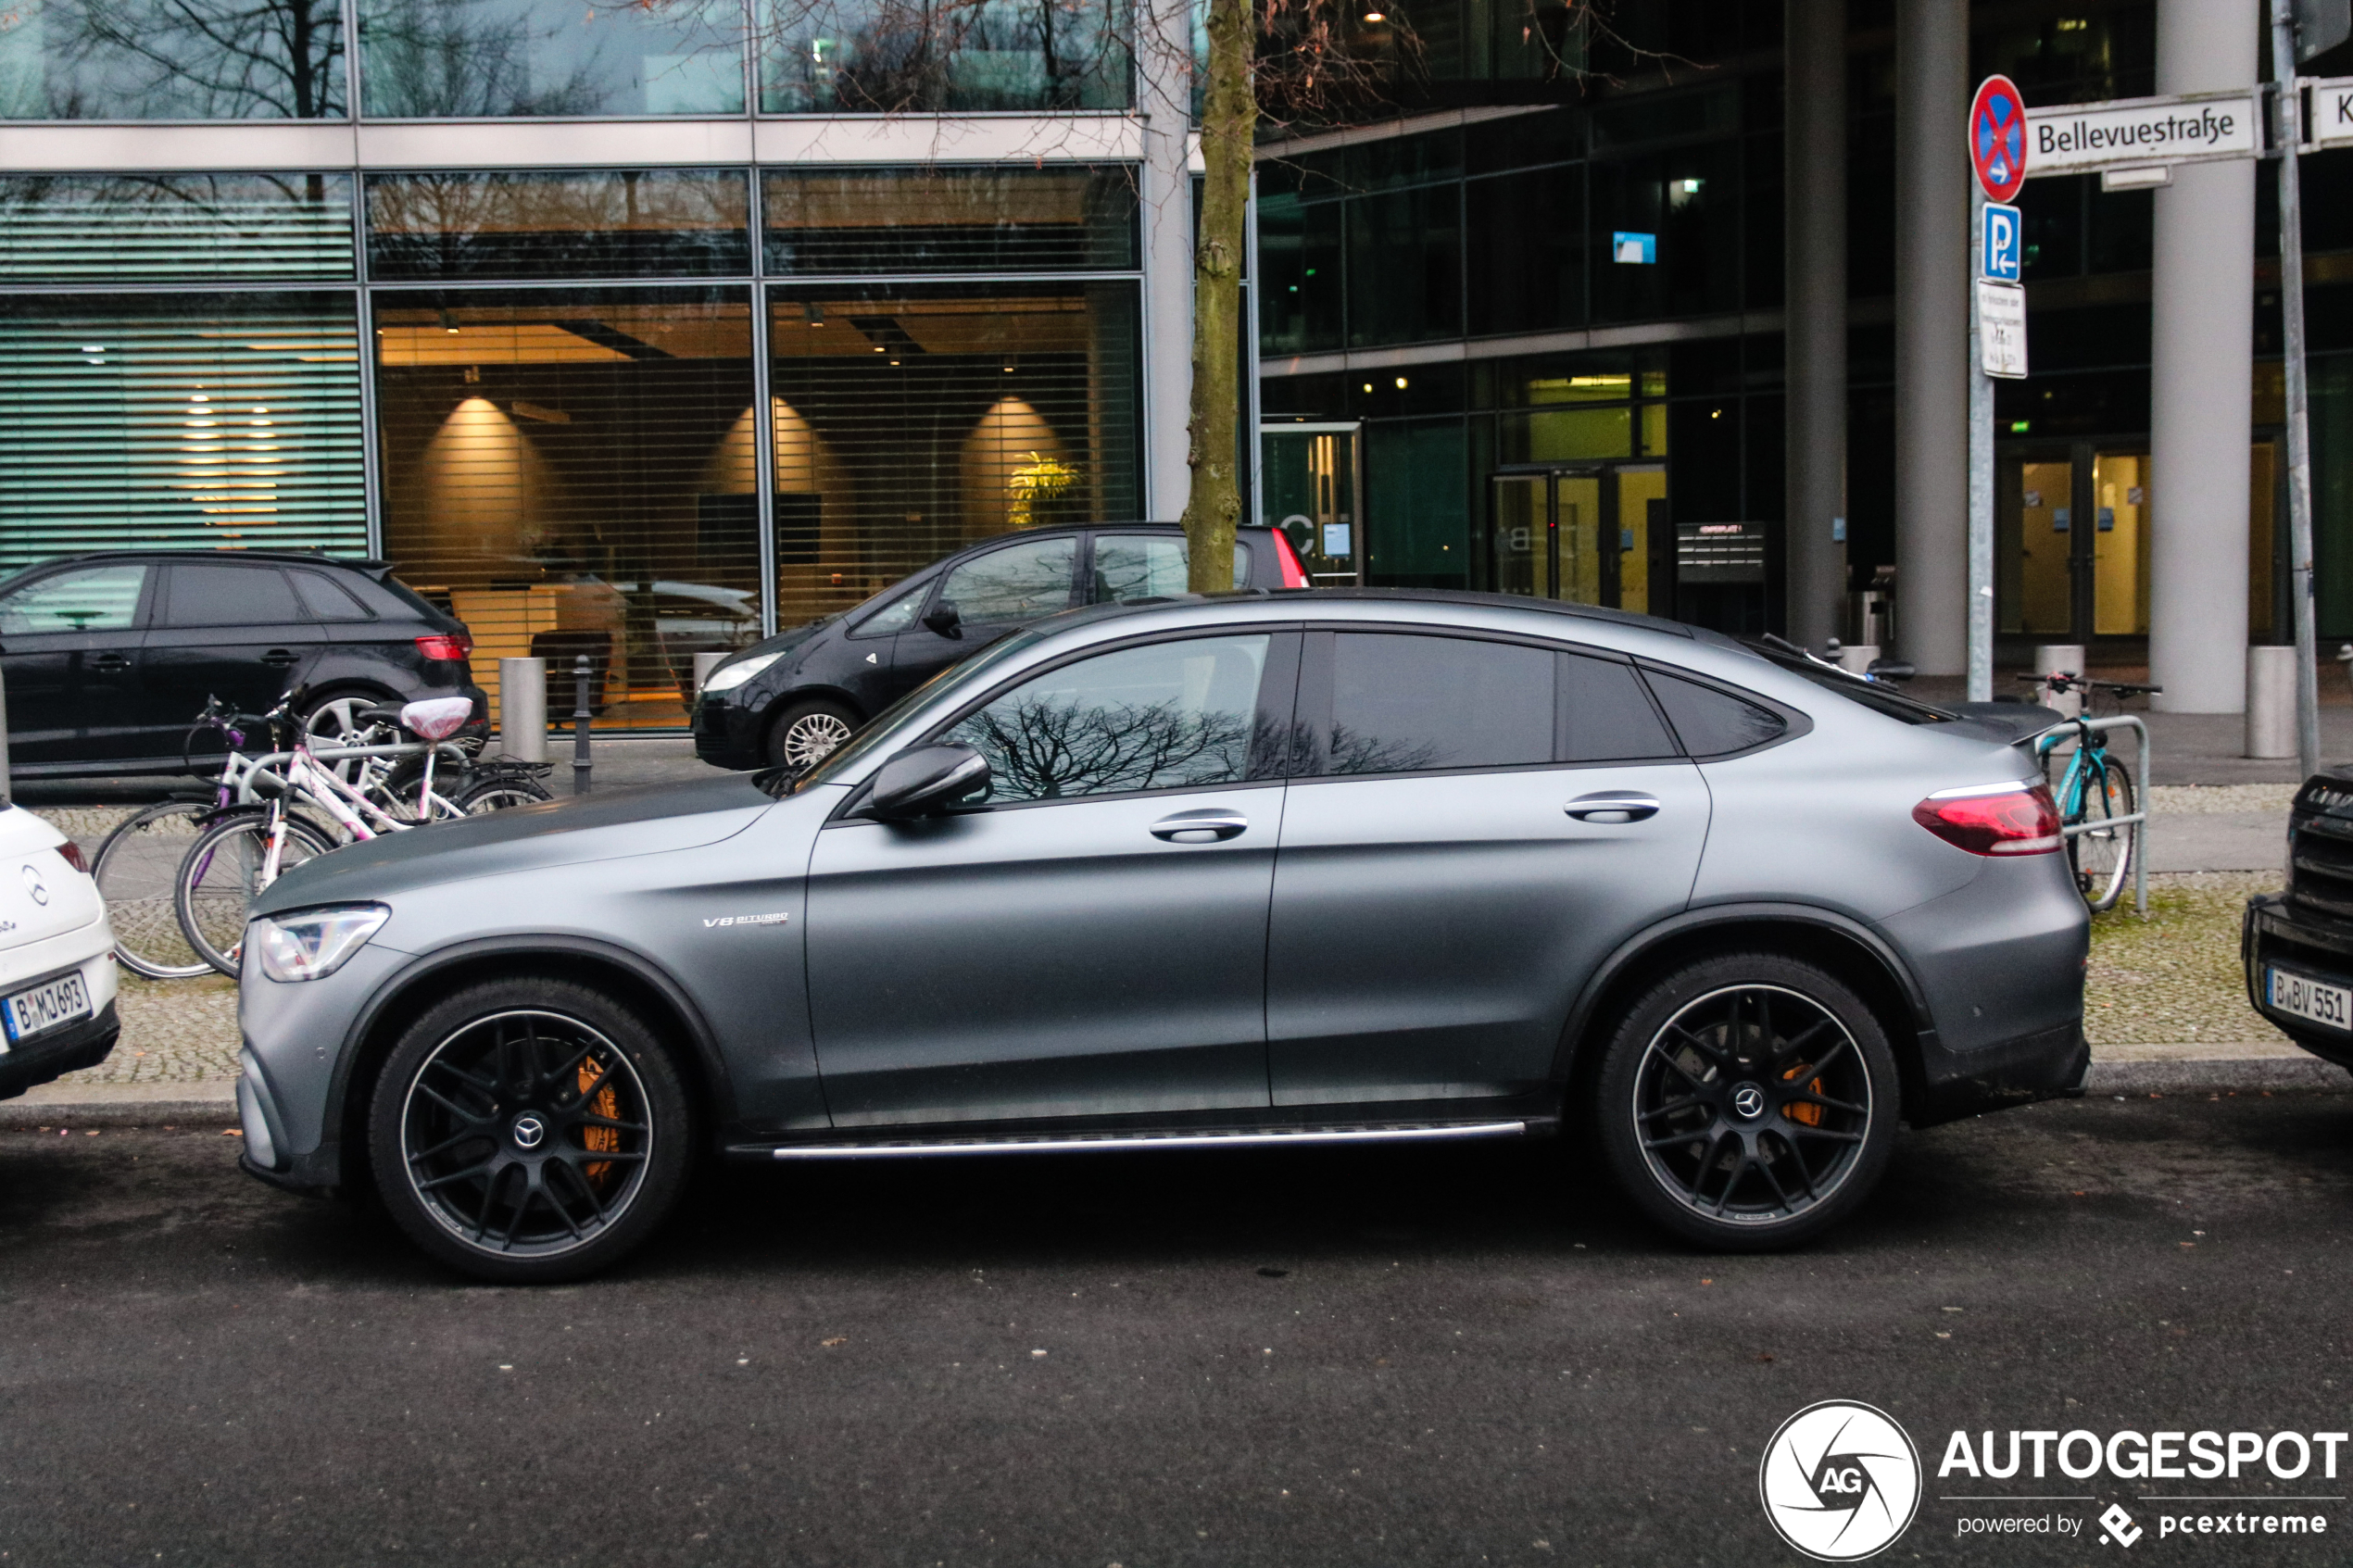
(1981, 474)
(2289, 125)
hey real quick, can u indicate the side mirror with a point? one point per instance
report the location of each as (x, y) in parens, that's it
(944, 620)
(929, 779)
(1891, 669)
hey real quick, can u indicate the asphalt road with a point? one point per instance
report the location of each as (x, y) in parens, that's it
(1357, 1357)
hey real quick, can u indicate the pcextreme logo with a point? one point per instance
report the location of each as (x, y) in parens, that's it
(1840, 1481)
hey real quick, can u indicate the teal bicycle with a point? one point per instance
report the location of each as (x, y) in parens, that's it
(2092, 791)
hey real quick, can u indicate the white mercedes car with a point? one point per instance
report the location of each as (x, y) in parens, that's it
(56, 956)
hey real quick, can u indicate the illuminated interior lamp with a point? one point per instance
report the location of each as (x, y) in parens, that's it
(1375, 18)
(1400, 383)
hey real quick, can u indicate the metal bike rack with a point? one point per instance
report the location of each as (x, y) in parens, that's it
(263, 773)
(2138, 820)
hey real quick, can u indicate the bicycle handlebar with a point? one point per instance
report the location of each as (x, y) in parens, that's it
(2069, 681)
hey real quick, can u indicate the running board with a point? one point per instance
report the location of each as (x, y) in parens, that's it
(1404, 1132)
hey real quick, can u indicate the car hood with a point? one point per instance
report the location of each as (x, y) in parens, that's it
(525, 838)
(789, 638)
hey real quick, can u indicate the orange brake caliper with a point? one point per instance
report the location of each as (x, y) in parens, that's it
(1811, 1115)
(599, 1140)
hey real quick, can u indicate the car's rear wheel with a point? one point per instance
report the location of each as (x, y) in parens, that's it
(806, 733)
(1748, 1102)
(530, 1130)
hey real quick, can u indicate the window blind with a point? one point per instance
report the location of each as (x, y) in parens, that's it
(176, 228)
(223, 422)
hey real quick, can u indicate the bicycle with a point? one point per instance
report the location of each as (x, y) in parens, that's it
(2092, 791)
(245, 850)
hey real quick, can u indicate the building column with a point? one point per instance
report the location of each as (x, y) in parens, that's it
(1164, 73)
(1932, 334)
(2202, 316)
(1814, 155)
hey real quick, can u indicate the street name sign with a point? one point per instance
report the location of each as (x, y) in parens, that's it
(2331, 122)
(2001, 328)
(2138, 133)
(2002, 254)
(1997, 138)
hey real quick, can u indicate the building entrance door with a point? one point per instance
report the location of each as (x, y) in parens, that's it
(2071, 535)
(1586, 534)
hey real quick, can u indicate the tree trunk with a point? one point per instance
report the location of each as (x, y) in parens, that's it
(1213, 504)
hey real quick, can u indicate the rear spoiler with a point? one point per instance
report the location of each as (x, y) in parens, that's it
(2011, 723)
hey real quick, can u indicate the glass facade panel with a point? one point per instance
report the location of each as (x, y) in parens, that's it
(1688, 201)
(990, 220)
(1298, 311)
(1405, 267)
(1526, 251)
(909, 421)
(173, 59)
(139, 228)
(628, 223)
(212, 420)
(572, 473)
(873, 57)
(481, 59)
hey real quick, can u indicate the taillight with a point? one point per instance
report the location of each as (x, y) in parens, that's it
(1295, 570)
(1993, 819)
(72, 854)
(444, 645)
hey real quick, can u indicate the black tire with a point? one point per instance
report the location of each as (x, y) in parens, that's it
(220, 877)
(806, 733)
(1748, 1102)
(137, 871)
(560, 1064)
(333, 720)
(497, 794)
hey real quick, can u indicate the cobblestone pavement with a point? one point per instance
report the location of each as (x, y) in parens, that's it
(2172, 981)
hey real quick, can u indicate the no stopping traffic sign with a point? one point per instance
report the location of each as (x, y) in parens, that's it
(1997, 138)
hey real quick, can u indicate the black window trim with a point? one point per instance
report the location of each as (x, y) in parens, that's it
(1315, 686)
(1795, 723)
(1283, 658)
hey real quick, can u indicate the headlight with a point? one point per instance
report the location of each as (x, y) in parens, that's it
(313, 944)
(727, 677)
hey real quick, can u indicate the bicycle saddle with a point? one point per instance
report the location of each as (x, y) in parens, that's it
(438, 717)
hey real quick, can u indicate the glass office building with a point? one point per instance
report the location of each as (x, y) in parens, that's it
(1525, 331)
(633, 332)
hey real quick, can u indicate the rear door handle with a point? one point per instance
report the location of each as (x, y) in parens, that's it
(1210, 826)
(1612, 806)
(278, 658)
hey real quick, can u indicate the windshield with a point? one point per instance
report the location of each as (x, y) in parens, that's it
(1876, 695)
(887, 727)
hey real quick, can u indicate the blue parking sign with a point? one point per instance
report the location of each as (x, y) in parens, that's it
(1999, 256)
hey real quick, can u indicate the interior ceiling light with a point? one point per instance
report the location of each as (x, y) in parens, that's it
(1400, 383)
(1375, 18)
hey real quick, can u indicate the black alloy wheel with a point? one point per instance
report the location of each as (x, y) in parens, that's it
(529, 1130)
(1749, 1102)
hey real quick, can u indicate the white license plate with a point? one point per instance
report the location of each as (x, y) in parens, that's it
(45, 1007)
(2307, 998)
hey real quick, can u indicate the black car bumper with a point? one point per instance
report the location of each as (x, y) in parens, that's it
(39, 1060)
(2049, 1064)
(2277, 930)
(727, 729)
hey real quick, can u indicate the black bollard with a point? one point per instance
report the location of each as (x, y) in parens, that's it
(580, 764)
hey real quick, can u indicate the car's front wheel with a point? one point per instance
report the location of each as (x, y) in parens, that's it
(530, 1130)
(1748, 1102)
(806, 734)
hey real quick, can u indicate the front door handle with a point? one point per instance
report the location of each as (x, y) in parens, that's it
(1210, 826)
(1612, 806)
(278, 658)
(110, 663)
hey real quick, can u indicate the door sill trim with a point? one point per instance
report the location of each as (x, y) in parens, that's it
(1085, 1142)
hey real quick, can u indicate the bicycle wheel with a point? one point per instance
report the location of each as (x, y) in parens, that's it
(220, 877)
(2102, 853)
(136, 868)
(497, 794)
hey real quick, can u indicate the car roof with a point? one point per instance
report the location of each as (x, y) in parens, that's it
(286, 558)
(1269, 597)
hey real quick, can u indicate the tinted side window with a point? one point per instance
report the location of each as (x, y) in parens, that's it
(896, 615)
(93, 598)
(1605, 715)
(1403, 703)
(1017, 584)
(327, 599)
(1167, 716)
(1140, 566)
(230, 595)
(1710, 722)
